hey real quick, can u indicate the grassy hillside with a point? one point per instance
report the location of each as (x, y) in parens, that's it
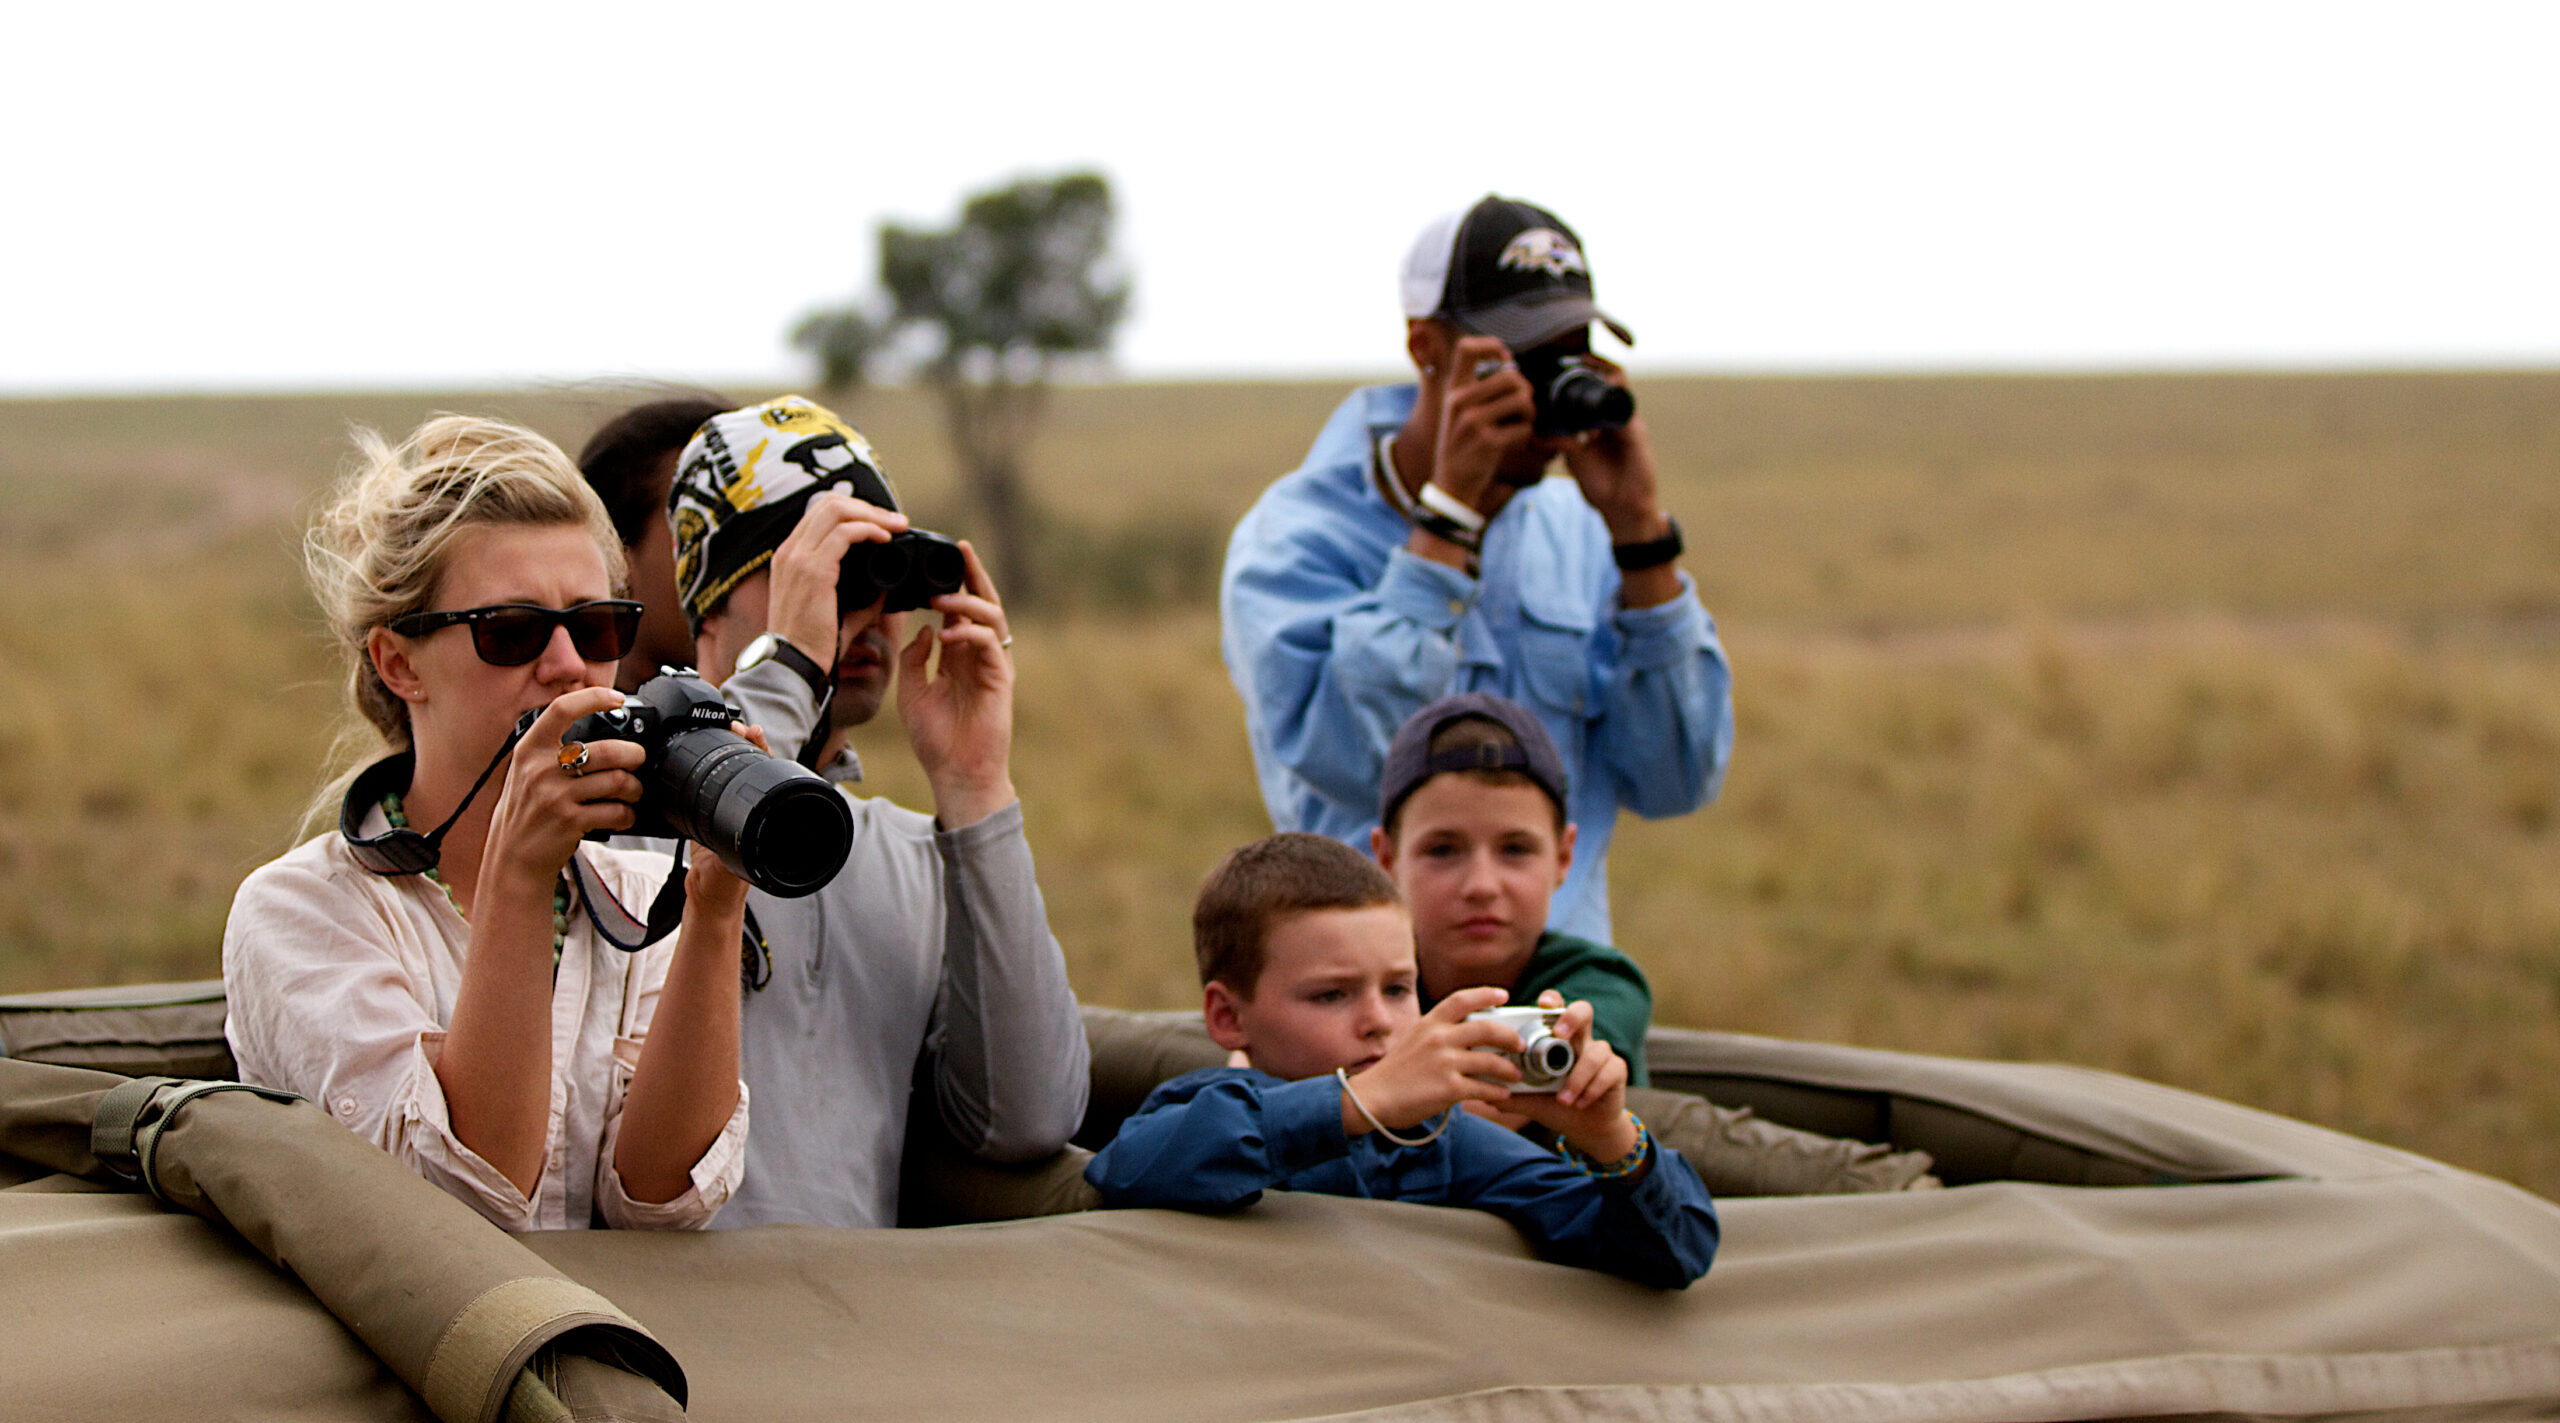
(2206, 728)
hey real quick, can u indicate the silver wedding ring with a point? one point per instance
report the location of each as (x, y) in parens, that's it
(573, 758)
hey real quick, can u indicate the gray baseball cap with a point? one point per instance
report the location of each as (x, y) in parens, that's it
(1410, 760)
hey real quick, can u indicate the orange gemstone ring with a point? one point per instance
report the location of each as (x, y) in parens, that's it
(573, 757)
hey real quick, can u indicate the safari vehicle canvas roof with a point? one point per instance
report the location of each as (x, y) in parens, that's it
(2217, 1261)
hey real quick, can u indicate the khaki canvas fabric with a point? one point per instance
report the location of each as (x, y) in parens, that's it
(2353, 1280)
(454, 1308)
(1991, 1302)
(163, 1029)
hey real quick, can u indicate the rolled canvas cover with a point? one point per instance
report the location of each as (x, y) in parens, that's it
(452, 1307)
(2306, 1274)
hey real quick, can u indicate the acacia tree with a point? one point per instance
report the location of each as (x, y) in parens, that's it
(1024, 280)
(846, 340)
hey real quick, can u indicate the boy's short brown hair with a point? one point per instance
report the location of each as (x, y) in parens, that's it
(1257, 886)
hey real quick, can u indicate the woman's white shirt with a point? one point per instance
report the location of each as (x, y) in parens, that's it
(341, 983)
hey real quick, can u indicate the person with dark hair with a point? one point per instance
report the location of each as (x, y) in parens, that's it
(631, 463)
(1472, 828)
(923, 977)
(1420, 550)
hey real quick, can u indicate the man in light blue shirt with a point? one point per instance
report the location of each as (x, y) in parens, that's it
(1420, 551)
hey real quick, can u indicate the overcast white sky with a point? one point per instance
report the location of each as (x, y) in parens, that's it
(255, 195)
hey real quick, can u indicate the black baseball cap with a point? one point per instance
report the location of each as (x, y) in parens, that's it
(1410, 761)
(1507, 269)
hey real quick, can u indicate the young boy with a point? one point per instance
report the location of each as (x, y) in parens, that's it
(1471, 810)
(1307, 968)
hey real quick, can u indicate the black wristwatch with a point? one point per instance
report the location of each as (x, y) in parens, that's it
(1652, 553)
(770, 648)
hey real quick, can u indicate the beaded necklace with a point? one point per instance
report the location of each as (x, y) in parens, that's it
(397, 813)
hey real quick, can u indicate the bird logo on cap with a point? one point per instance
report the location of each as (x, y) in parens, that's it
(1543, 249)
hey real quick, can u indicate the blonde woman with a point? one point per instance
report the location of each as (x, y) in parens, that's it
(427, 971)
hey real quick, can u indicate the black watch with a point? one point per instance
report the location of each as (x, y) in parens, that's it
(1652, 553)
(769, 648)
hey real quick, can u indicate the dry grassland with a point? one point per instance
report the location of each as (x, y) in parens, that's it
(2201, 728)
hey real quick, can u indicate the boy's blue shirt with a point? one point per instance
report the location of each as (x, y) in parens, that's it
(1215, 1140)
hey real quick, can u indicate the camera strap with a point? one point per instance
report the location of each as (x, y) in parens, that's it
(616, 925)
(401, 850)
(819, 729)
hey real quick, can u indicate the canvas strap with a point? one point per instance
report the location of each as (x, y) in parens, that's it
(125, 1132)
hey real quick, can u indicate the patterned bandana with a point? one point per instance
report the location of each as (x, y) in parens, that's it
(742, 482)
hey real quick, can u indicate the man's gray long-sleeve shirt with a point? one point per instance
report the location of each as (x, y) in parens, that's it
(929, 945)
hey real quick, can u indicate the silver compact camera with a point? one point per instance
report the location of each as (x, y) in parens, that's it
(1543, 1058)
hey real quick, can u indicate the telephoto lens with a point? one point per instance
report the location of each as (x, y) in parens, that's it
(775, 824)
(911, 570)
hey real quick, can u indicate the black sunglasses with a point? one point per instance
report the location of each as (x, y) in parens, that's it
(513, 634)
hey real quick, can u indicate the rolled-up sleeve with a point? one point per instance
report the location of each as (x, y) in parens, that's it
(713, 1179)
(321, 1007)
(341, 985)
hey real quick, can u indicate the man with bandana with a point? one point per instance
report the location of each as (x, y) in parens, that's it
(1420, 551)
(926, 965)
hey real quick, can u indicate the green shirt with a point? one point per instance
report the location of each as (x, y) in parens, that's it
(1621, 1001)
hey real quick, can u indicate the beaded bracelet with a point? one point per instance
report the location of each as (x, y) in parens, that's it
(1626, 1165)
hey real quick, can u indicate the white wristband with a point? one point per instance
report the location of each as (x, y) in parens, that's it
(1343, 1076)
(1440, 501)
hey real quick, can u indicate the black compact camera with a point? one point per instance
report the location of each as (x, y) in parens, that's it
(779, 826)
(1571, 397)
(913, 568)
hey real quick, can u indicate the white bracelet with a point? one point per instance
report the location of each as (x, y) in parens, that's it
(1440, 501)
(1343, 1074)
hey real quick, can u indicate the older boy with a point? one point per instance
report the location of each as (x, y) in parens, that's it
(1472, 827)
(1307, 968)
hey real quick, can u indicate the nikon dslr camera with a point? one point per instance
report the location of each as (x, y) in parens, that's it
(1543, 1059)
(780, 827)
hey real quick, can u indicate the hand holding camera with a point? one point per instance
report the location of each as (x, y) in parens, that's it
(1575, 393)
(1488, 413)
(808, 568)
(541, 814)
(1586, 1103)
(1546, 1052)
(1443, 1059)
(958, 708)
(691, 776)
(1613, 462)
